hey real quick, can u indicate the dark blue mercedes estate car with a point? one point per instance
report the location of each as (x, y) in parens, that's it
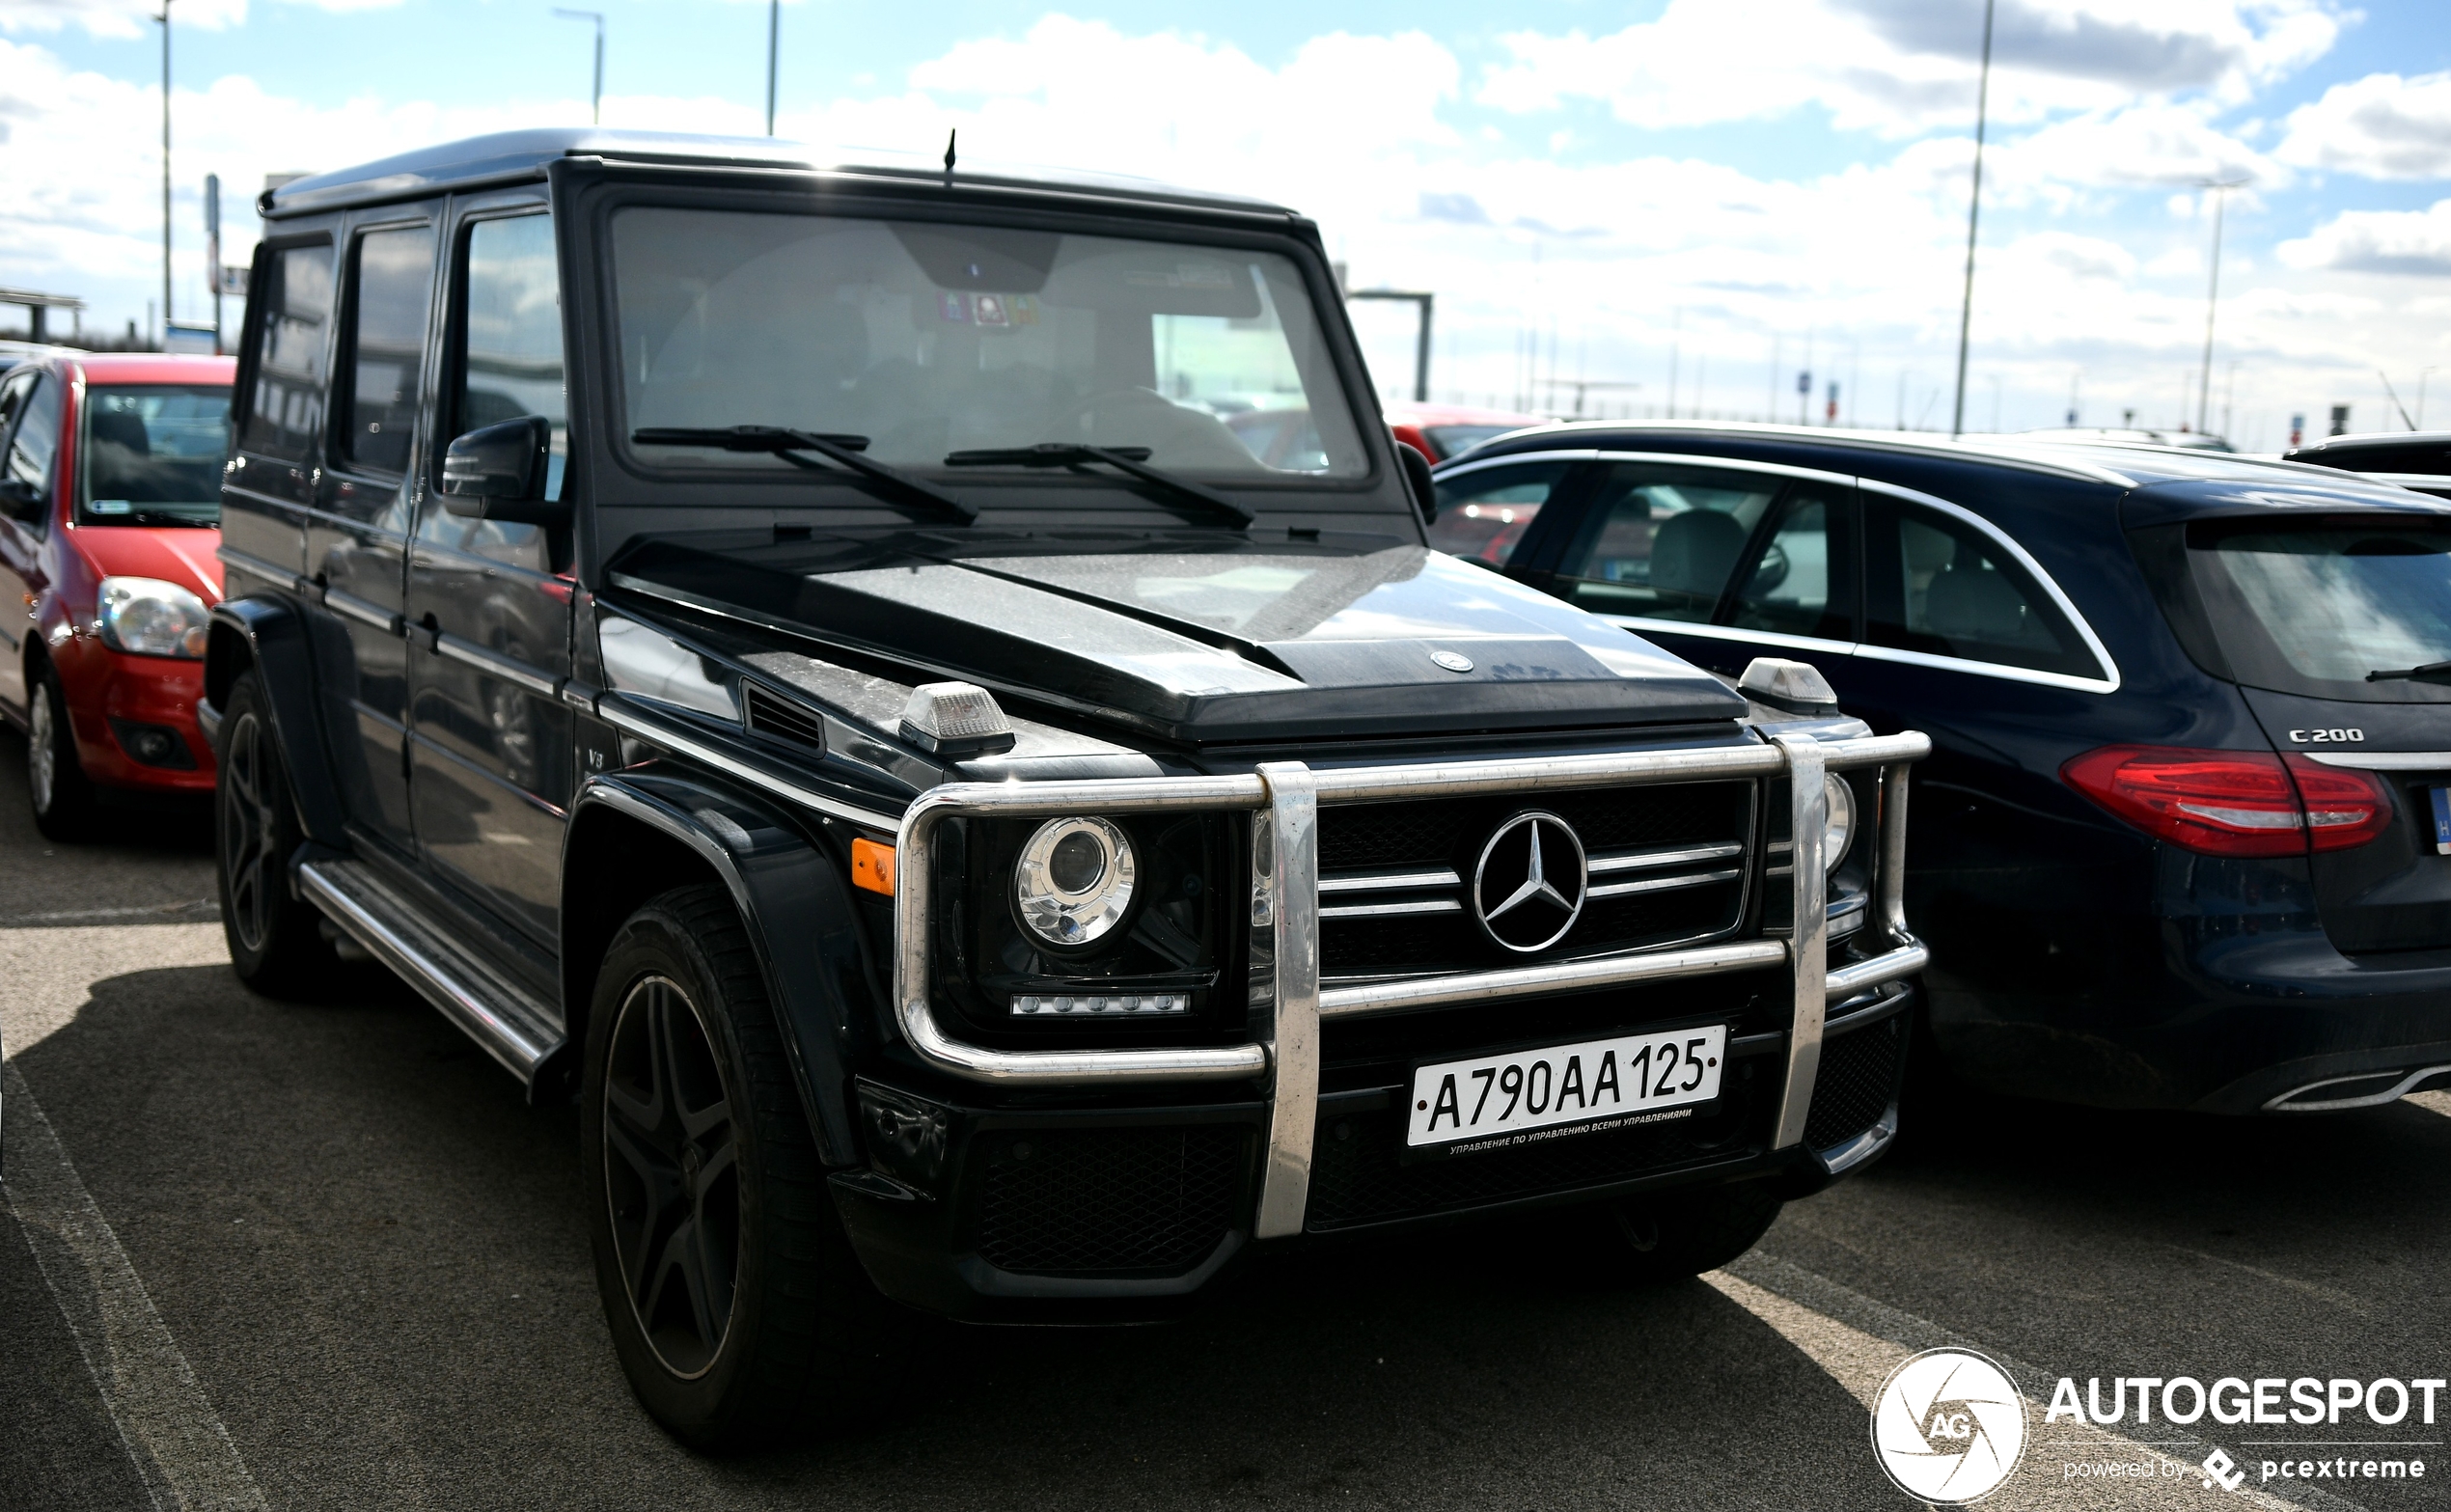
(2183, 840)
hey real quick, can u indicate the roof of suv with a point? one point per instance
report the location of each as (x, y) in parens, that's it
(514, 156)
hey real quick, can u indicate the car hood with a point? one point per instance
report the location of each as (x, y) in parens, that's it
(175, 554)
(1195, 639)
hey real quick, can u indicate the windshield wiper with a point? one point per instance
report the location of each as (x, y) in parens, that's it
(840, 449)
(2431, 671)
(1129, 460)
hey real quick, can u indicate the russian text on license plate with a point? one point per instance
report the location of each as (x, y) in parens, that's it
(1598, 1085)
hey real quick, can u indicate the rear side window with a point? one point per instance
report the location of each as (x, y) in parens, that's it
(1941, 585)
(392, 288)
(1661, 540)
(2332, 608)
(1484, 515)
(285, 413)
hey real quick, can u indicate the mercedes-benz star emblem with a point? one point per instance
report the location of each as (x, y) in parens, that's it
(1529, 889)
(1453, 661)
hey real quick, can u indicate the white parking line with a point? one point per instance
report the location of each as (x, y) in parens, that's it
(173, 1437)
(1859, 1341)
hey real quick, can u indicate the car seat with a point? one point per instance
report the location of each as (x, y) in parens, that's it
(1694, 552)
(122, 428)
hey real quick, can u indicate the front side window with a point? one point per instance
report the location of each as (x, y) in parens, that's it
(1943, 587)
(393, 285)
(35, 440)
(1661, 540)
(929, 340)
(286, 411)
(1802, 581)
(2331, 609)
(153, 454)
(1484, 515)
(510, 312)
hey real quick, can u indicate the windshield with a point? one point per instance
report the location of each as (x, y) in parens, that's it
(2314, 610)
(928, 340)
(153, 454)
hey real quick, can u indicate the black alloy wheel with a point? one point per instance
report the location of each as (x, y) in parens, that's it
(735, 1302)
(672, 1175)
(56, 785)
(276, 942)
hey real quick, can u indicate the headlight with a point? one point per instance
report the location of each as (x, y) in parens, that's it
(151, 618)
(1074, 880)
(1840, 827)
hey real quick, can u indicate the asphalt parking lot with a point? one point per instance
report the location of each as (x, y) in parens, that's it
(281, 1254)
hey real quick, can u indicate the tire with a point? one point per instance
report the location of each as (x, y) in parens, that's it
(1649, 1241)
(276, 941)
(737, 1307)
(57, 789)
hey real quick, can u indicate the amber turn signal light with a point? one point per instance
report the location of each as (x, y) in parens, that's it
(873, 867)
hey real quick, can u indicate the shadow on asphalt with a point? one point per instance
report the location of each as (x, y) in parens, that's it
(374, 1257)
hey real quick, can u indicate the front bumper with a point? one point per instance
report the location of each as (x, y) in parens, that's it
(1260, 1157)
(116, 701)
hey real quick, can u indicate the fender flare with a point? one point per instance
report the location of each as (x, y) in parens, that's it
(792, 900)
(266, 632)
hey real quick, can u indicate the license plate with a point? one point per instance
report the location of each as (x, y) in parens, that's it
(2441, 797)
(1492, 1102)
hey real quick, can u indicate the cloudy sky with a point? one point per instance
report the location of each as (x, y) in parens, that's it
(1689, 201)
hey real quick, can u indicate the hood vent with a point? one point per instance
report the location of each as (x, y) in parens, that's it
(767, 714)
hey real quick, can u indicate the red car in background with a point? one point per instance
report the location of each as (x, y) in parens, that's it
(110, 486)
(1440, 432)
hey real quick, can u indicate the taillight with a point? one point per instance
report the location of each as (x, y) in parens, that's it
(2345, 807)
(2233, 802)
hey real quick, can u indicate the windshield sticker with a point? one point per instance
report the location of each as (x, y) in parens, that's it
(991, 310)
(955, 307)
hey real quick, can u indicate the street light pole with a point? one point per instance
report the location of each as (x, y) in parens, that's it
(1973, 219)
(595, 96)
(774, 48)
(164, 19)
(2220, 190)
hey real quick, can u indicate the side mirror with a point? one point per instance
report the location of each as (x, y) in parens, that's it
(498, 473)
(20, 500)
(1417, 478)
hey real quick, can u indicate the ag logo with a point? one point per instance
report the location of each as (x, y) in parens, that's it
(1948, 1426)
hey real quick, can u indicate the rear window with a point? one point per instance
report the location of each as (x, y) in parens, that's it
(2331, 609)
(153, 454)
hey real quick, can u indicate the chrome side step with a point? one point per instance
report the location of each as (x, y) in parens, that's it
(513, 1024)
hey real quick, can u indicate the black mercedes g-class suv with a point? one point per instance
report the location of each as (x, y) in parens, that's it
(797, 657)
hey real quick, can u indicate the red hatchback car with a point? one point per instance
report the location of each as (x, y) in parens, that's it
(110, 485)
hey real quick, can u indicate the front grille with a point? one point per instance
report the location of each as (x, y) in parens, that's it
(1859, 1080)
(1411, 858)
(1357, 1174)
(1068, 1201)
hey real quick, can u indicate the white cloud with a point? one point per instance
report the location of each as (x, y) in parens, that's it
(2378, 241)
(2380, 126)
(1368, 134)
(1899, 70)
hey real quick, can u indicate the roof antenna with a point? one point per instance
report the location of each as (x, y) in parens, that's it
(949, 155)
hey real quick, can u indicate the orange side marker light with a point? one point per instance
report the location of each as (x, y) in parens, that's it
(873, 867)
